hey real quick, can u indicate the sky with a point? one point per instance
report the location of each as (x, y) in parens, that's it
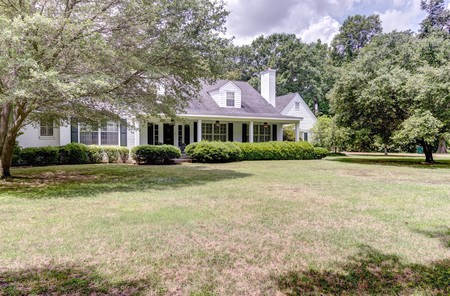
(315, 19)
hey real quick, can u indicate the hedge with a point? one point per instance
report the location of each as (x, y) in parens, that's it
(124, 154)
(111, 153)
(95, 154)
(73, 153)
(39, 156)
(210, 152)
(277, 151)
(225, 152)
(320, 152)
(156, 155)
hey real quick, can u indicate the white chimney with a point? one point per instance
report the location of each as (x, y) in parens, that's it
(269, 86)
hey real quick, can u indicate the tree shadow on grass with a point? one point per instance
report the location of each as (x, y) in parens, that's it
(91, 180)
(71, 281)
(442, 233)
(370, 273)
(394, 161)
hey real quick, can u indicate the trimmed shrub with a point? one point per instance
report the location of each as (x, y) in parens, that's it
(214, 152)
(112, 153)
(124, 154)
(73, 153)
(39, 156)
(156, 155)
(276, 151)
(190, 148)
(320, 153)
(95, 154)
(211, 152)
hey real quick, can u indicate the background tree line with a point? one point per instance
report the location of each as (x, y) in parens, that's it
(377, 91)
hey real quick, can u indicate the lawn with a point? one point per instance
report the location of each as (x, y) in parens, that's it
(345, 225)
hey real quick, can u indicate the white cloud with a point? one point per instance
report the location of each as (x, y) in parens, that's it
(407, 18)
(325, 29)
(314, 19)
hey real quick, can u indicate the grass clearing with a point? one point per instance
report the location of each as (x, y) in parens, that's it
(340, 226)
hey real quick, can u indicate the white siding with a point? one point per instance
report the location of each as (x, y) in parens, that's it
(279, 132)
(64, 134)
(31, 138)
(133, 132)
(309, 119)
(237, 132)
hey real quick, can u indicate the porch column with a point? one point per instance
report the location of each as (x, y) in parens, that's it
(191, 132)
(199, 130)
(160, 133)
(297, 132)
(175, 136)
(137, 132)
(250, 132)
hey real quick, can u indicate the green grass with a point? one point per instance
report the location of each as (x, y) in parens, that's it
(345, 225)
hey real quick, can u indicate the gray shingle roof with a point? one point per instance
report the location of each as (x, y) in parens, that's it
(283, 101)
(253, 104)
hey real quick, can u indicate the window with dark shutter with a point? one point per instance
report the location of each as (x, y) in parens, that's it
(244, 133)
(230, 132)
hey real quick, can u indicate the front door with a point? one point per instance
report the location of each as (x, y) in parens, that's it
(168, 134)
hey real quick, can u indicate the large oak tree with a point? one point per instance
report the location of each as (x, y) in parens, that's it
(103, 58)
(396, 84)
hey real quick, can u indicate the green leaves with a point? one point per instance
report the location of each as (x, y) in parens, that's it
(356, 32)
(301, 67)
(393, 77)
(420, 126)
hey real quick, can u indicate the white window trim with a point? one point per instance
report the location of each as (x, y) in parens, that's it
(46, 137)
(258, 135)
(99, 131)
(212, 131)
(234, 99)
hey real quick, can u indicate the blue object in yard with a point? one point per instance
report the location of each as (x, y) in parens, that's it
(419, 150)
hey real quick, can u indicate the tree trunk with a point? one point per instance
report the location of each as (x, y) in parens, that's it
(442, 148)
(6, 158)
(385, 150)
(428, 150)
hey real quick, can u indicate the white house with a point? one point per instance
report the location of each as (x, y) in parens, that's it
(225, 111)
(293, 105)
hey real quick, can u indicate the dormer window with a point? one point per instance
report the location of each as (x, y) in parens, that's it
(297, 106)
(230, 99)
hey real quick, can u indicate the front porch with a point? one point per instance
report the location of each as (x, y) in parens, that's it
(191, 130)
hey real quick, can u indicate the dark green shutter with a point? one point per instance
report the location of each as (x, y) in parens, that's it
(274, 132)
(187, 134)
(150, 134)
(123, 133)
(244, 133)
(230, 132)
(73, 130)
(195, 132)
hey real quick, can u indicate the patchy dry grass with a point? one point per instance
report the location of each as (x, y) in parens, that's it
(250, 228)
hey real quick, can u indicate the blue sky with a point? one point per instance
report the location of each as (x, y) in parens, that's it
(315, 19)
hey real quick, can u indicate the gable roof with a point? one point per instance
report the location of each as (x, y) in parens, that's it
(283, 101)
(253, 104)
